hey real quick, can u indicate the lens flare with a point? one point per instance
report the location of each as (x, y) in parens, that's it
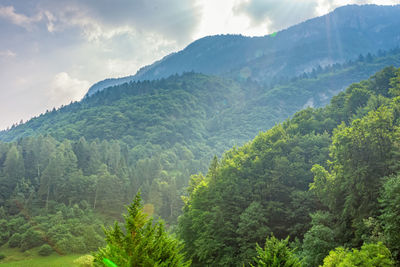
(109, 263)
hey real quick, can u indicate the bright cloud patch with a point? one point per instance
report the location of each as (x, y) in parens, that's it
(278, 13)
(7, 53)
(9, 13)
(64, 89)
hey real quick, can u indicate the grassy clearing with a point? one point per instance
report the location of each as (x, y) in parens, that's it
(30, 258)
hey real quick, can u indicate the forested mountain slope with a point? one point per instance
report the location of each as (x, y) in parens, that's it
(223, 108)
(163, 131)
(336, 37)
(55, 192)
(342, 152)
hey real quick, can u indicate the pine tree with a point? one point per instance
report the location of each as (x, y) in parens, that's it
(143, 243)
(276, 253)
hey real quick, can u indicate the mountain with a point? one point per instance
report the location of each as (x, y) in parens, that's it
(226, 112)
(318, 178)
(336, 37)
(153, 135)
(182, 108)
(163, 131)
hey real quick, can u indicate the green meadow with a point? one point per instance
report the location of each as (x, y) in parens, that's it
(30, 258)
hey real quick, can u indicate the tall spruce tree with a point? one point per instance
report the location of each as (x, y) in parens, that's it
(143, 243)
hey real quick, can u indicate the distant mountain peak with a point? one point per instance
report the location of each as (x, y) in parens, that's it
(340, 35)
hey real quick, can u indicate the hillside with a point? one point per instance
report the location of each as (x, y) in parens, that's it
(161, 132)
(196, 108)
(331, 163)
(281, 150)
(60, 192)
(336, 37)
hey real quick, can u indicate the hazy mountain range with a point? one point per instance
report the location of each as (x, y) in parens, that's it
(336, 37)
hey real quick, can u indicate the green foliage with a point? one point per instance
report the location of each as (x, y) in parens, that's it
(390, 203)
(45, 250)
(276, 253)
(275, 170)
(84, 261)
(67, 230)
(369, 255)
(395, 85)
(251, 229)
(15, 240)
(2, 256)
(319, 240)
(361, 155)
(144, 242)
(4, 233)
(154, 135)
(31, 239)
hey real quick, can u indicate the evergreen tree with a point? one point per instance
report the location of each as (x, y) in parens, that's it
(144, 242)
(390, 217)
(276, 253)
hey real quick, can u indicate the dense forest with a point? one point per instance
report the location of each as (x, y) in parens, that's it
(277, 150)
(326, 178)
(154, 135)
(319, 188)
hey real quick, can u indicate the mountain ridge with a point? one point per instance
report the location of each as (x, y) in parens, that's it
(369, 28)
(276, 102)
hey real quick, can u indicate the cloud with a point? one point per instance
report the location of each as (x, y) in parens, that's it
(103, 19)
(277, 14)
(64, 89)
(173, 19)
(8, 13)
(325, 6)
(7, 53)
(63, 47)
(280, 14)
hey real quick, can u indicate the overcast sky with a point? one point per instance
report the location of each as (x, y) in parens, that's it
(51, 51)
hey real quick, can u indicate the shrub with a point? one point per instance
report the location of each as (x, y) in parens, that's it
(45, 250)
(15, 240)
(31, 239)
(77, 245)
(84, 261)
(71, 244)
(92, 239)
(2, 256)
(370, 255)
(4, 233)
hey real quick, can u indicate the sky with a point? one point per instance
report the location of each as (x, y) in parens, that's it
(52, 51)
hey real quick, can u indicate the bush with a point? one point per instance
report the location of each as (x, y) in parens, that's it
(71, 244)
(92, 239)
(2, 256)
(15, 240)
(31, 239)
(369, 255)
(84, 261)
(4, 233)
(45, 250)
